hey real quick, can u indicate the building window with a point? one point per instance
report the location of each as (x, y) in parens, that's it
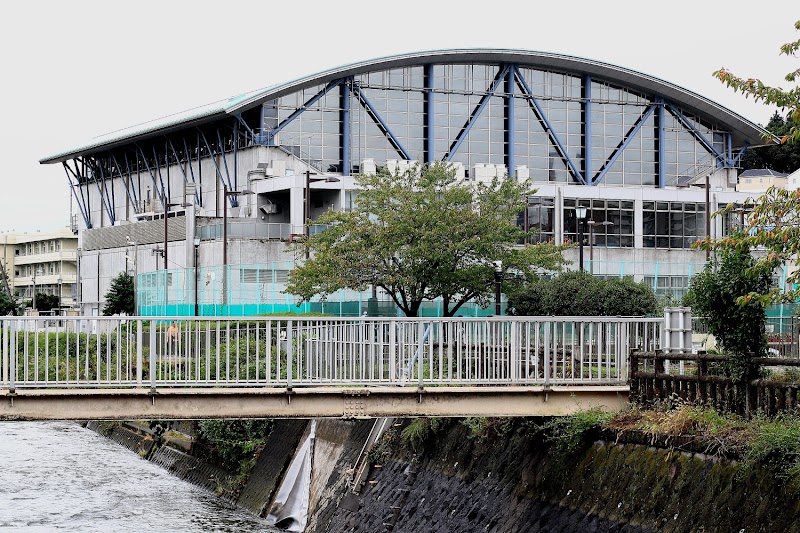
(608, 222)
(58, 246)
(537, 220)
(676, 286)
(672, 224)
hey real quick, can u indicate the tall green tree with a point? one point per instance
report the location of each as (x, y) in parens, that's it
(785, 99)
(723, 294)
(46, 302)
(422, 235)
(120, 298)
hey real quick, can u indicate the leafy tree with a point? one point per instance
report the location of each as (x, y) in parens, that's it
(422, 235)
(46, 302)
(581, 294)
(9, 300)
(120, 298)
(773, 223)
(772, 226)
(737, 323)
(8, 306)
(784, 99)
(781, 157)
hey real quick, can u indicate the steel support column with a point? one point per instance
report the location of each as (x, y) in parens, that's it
(344, 124)
(586, 104)
(660, 117)
(428, 119)
(510, 123)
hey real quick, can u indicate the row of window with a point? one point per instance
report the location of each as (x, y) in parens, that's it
(41, 269)
(38, 247)
(67, 290)
(611, 222)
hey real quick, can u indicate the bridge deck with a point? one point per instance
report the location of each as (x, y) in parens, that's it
(338, 402)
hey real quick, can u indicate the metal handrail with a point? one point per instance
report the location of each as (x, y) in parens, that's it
(91, 352)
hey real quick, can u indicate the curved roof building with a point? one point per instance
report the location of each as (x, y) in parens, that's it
(621, 143)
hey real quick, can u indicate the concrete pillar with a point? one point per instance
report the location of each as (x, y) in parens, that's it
(297, 207)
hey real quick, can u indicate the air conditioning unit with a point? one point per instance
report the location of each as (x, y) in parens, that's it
(368, 167)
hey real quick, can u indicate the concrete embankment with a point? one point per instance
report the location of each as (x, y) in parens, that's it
(503, 481)
(518, 482)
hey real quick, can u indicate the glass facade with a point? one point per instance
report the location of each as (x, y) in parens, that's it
(672, 224)
(608, 222)
(483, 114)
(538, 220)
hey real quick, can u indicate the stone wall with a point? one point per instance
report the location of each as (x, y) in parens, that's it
(517, 483)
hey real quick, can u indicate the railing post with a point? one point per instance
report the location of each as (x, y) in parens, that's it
(658, 382)
(392, 351)
(152, 356)
(546, 353)
(139, 369)
(633, 379)
(513, 347)
(12, 370)
(289, 354)
(420, 351)
(4, 375)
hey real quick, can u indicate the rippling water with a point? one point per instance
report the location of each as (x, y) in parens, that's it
(60, 476)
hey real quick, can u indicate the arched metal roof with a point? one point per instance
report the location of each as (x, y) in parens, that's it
(743, 131)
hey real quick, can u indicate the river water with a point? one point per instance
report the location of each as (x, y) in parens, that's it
(60, 476)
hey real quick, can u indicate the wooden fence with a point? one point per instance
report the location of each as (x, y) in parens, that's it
(692, 378)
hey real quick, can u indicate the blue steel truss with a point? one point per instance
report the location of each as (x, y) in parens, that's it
(375, 116)
(722, 160)
(189, 147)
(499, 77)
(79, 199)
(624, 143)
(548, 128)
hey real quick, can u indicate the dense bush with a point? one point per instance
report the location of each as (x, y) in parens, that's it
(582, 294)
(232, 444)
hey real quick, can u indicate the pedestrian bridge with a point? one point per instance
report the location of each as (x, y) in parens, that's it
(83, 368)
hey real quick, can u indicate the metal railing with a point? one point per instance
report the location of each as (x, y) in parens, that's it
(91, 352)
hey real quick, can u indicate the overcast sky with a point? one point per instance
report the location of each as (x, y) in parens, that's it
(72, 70)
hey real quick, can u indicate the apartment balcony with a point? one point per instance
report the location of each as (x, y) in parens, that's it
(46, 279)
(49, 257)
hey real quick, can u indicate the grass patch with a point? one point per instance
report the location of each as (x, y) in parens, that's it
(771, 442)
(568, 434)
(419, 432)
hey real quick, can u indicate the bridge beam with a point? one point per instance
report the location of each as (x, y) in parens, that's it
(331, 402)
